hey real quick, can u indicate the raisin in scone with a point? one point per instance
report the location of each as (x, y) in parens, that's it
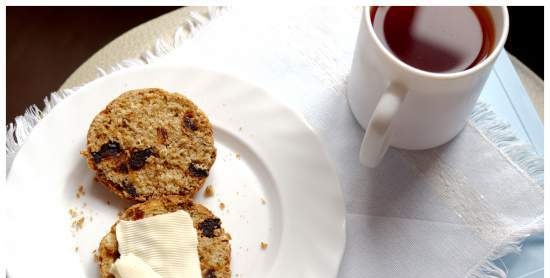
(148, 143)
(214, 248)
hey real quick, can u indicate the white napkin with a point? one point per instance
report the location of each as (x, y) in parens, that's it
(444, 212)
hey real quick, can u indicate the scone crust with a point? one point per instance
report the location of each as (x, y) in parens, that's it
(213, 245)
(149, 143)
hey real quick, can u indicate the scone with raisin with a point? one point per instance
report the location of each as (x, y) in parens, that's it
(213, 248)
(149, 143)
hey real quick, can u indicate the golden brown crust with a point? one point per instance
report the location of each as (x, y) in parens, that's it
(213, 247)
(149, 143)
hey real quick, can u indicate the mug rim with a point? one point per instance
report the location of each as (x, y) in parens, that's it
(435, 75)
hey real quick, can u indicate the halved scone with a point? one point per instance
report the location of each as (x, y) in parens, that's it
(214, 249)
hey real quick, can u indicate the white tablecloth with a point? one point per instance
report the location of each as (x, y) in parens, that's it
(438, 213)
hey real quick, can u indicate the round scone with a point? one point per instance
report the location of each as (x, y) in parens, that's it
(213, 242)
(148, 143)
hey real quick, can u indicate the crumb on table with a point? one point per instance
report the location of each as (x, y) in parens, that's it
(76, 249)
(263, 201)
(238, 155)
(222, 206)
(263, 245)
(209, 191)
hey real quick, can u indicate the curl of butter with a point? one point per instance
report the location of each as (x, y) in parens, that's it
(130, 266)
(167, 243)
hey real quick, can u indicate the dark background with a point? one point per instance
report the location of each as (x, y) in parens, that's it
(46, 44)
(526, 37)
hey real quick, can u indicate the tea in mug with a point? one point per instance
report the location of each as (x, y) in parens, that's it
(436, 39)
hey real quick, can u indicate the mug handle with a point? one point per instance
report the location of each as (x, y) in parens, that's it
(377, 136)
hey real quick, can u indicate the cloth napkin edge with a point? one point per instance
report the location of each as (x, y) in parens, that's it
(510, 245)
(500, 134)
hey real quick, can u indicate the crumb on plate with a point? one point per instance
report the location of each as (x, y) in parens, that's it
(263, 245)
(209, 191)
(222, 206)
(80, 192)
(73, 213)
(78, 224)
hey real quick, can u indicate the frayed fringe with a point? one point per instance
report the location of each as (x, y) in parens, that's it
(512, 245)
(527, 160)
(488, 270)
(19, 131)
(161, 48)
(499, 133)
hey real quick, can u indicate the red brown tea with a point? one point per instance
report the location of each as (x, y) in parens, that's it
(436, 39)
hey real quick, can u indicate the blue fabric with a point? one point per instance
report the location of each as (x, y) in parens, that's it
(505, 93)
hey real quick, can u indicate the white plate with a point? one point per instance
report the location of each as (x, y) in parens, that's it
(265, 151)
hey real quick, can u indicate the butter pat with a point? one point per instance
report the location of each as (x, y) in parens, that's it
(167, 243)
(130, 266)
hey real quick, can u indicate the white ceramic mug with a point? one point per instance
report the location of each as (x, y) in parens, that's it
(406, 107)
